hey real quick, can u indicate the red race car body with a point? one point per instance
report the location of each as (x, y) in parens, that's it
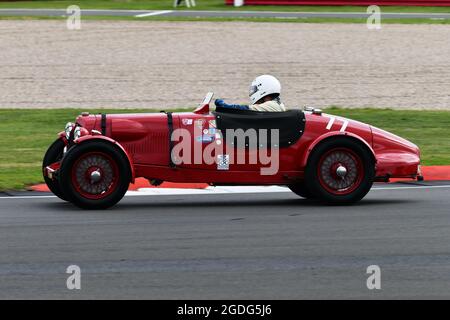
(315, 154)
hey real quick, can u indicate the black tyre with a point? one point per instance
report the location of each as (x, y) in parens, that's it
(94, 175)
(301, 189)
(340, 171)
(54, 153)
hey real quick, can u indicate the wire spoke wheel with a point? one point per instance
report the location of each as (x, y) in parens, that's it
(95, 175)
(340, 171)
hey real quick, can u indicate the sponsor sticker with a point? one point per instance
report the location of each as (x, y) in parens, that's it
(212, 123)
(199, 123)
(207, 138)
(187, 122)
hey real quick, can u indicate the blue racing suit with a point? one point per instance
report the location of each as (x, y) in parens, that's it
(221, 103)
(267, 106)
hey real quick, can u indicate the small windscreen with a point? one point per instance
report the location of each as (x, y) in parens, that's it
(208, 98)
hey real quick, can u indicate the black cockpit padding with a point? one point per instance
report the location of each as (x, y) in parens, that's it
(291, 123)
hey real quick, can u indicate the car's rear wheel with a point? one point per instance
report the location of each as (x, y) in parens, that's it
(340, 171)
(300, 188)
(94, 175)
(54, 154)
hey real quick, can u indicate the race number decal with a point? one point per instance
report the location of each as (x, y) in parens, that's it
(333, 119)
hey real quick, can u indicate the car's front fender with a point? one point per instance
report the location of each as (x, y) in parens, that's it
(90, 137)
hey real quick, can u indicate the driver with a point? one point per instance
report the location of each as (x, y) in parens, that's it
(264, 95)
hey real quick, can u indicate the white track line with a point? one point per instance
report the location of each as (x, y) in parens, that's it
(27, 197)
(220, 190)
(153, 13)
(208, 190)
(418, 187)
(281, 14)
(60, 10)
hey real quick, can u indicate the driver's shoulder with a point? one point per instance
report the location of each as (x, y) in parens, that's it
(270, 106)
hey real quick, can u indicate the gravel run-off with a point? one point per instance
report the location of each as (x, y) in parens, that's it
(173, 64)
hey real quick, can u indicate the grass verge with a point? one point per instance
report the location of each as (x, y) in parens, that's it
(25, 135)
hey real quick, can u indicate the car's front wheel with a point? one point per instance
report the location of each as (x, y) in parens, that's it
(340, 171)
(94, 175)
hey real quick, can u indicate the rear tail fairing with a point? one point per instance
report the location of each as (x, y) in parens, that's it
(396, 157)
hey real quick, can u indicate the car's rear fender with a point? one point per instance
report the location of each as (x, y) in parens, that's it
(87, 138)
(331, 135)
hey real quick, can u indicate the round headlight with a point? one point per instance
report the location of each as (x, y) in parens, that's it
(68, 129)
(76, 133)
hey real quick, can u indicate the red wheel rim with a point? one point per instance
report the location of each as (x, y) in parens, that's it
(95, 175)
(331, 175)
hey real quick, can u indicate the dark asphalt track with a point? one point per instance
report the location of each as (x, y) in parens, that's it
(266, 245)
(224, 14)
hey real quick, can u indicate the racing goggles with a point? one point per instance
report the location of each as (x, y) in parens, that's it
(252, 90)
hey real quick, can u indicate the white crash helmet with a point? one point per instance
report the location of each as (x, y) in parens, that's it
(263, 86)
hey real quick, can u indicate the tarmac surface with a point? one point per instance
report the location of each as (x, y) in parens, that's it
(229, 246)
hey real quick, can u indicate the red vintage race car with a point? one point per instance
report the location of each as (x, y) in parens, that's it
(316, 155)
